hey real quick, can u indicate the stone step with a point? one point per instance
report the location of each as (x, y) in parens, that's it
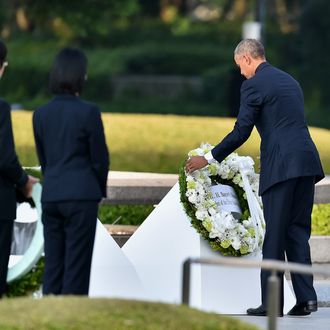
(321, 285)
(317, 277)
(320, 249)
(322, 288)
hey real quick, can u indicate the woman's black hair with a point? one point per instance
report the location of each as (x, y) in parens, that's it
(3, 52)
(69, 71)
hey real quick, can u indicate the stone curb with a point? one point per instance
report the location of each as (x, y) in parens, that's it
(320, 249)
(151, 188)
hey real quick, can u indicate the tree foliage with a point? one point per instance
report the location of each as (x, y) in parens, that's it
(72, 19)
(315, 36)
(297, 31)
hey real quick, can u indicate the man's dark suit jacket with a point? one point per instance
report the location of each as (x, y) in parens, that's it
(11, 173)
(72, 150)
(273, 102)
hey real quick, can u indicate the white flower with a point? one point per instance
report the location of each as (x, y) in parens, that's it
(236, 243)
(228, 221)
(212, 211)
(201, 214)
(237, 179)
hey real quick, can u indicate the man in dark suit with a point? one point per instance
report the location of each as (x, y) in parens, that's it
(273, 101)
(74, 160)
(12, 177)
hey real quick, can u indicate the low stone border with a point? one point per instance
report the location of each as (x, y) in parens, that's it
(322, 191)
(138, 187)
(151, 188)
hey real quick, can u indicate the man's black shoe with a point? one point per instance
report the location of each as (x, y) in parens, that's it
(304, 308)
(259, 311)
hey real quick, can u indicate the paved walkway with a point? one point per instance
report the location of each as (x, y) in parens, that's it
(316, 321)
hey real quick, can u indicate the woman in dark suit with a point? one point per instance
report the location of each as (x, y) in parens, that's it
(74, 160)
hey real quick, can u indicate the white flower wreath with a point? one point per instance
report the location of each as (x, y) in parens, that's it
(220, 228)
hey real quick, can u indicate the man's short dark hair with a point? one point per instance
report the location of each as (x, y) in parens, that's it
(69, 71)
(3, 52)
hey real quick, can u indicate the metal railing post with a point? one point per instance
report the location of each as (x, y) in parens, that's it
(273, 300)
(186, 282)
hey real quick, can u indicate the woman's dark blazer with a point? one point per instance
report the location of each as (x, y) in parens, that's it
(72, 150)
(11, 173)
(273, 102)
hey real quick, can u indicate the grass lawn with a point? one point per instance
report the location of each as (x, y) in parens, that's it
(157, 143)
(73, 313)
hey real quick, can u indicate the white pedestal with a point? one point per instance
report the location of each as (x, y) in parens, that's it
(161, 245)
(156, 253)
(232, 290)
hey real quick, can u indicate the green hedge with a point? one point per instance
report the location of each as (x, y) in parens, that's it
(193, 105)
(29, 283)
(183, 59)
(124, 214)
(321, 219)
(32, 87)
(26, 79)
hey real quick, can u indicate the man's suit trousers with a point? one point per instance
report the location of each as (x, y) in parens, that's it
(287, 210)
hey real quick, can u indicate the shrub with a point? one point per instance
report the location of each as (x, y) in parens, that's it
(172, 59)
(29, 283)
(321, 219)
(221, 85)
(161, 105)
(124, 214)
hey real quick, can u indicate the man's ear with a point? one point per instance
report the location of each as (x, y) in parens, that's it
(247, 59)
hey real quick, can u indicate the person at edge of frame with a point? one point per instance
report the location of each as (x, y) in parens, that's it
(13, 179)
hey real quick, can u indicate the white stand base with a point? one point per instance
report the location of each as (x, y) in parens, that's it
(155, 254)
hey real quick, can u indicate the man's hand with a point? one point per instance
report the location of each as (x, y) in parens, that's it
(27, 189)
(195, 163)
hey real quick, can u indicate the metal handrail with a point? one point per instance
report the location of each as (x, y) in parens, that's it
(273, 282)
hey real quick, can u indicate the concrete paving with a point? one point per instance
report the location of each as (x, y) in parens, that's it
(316, 321)
(322, 289)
